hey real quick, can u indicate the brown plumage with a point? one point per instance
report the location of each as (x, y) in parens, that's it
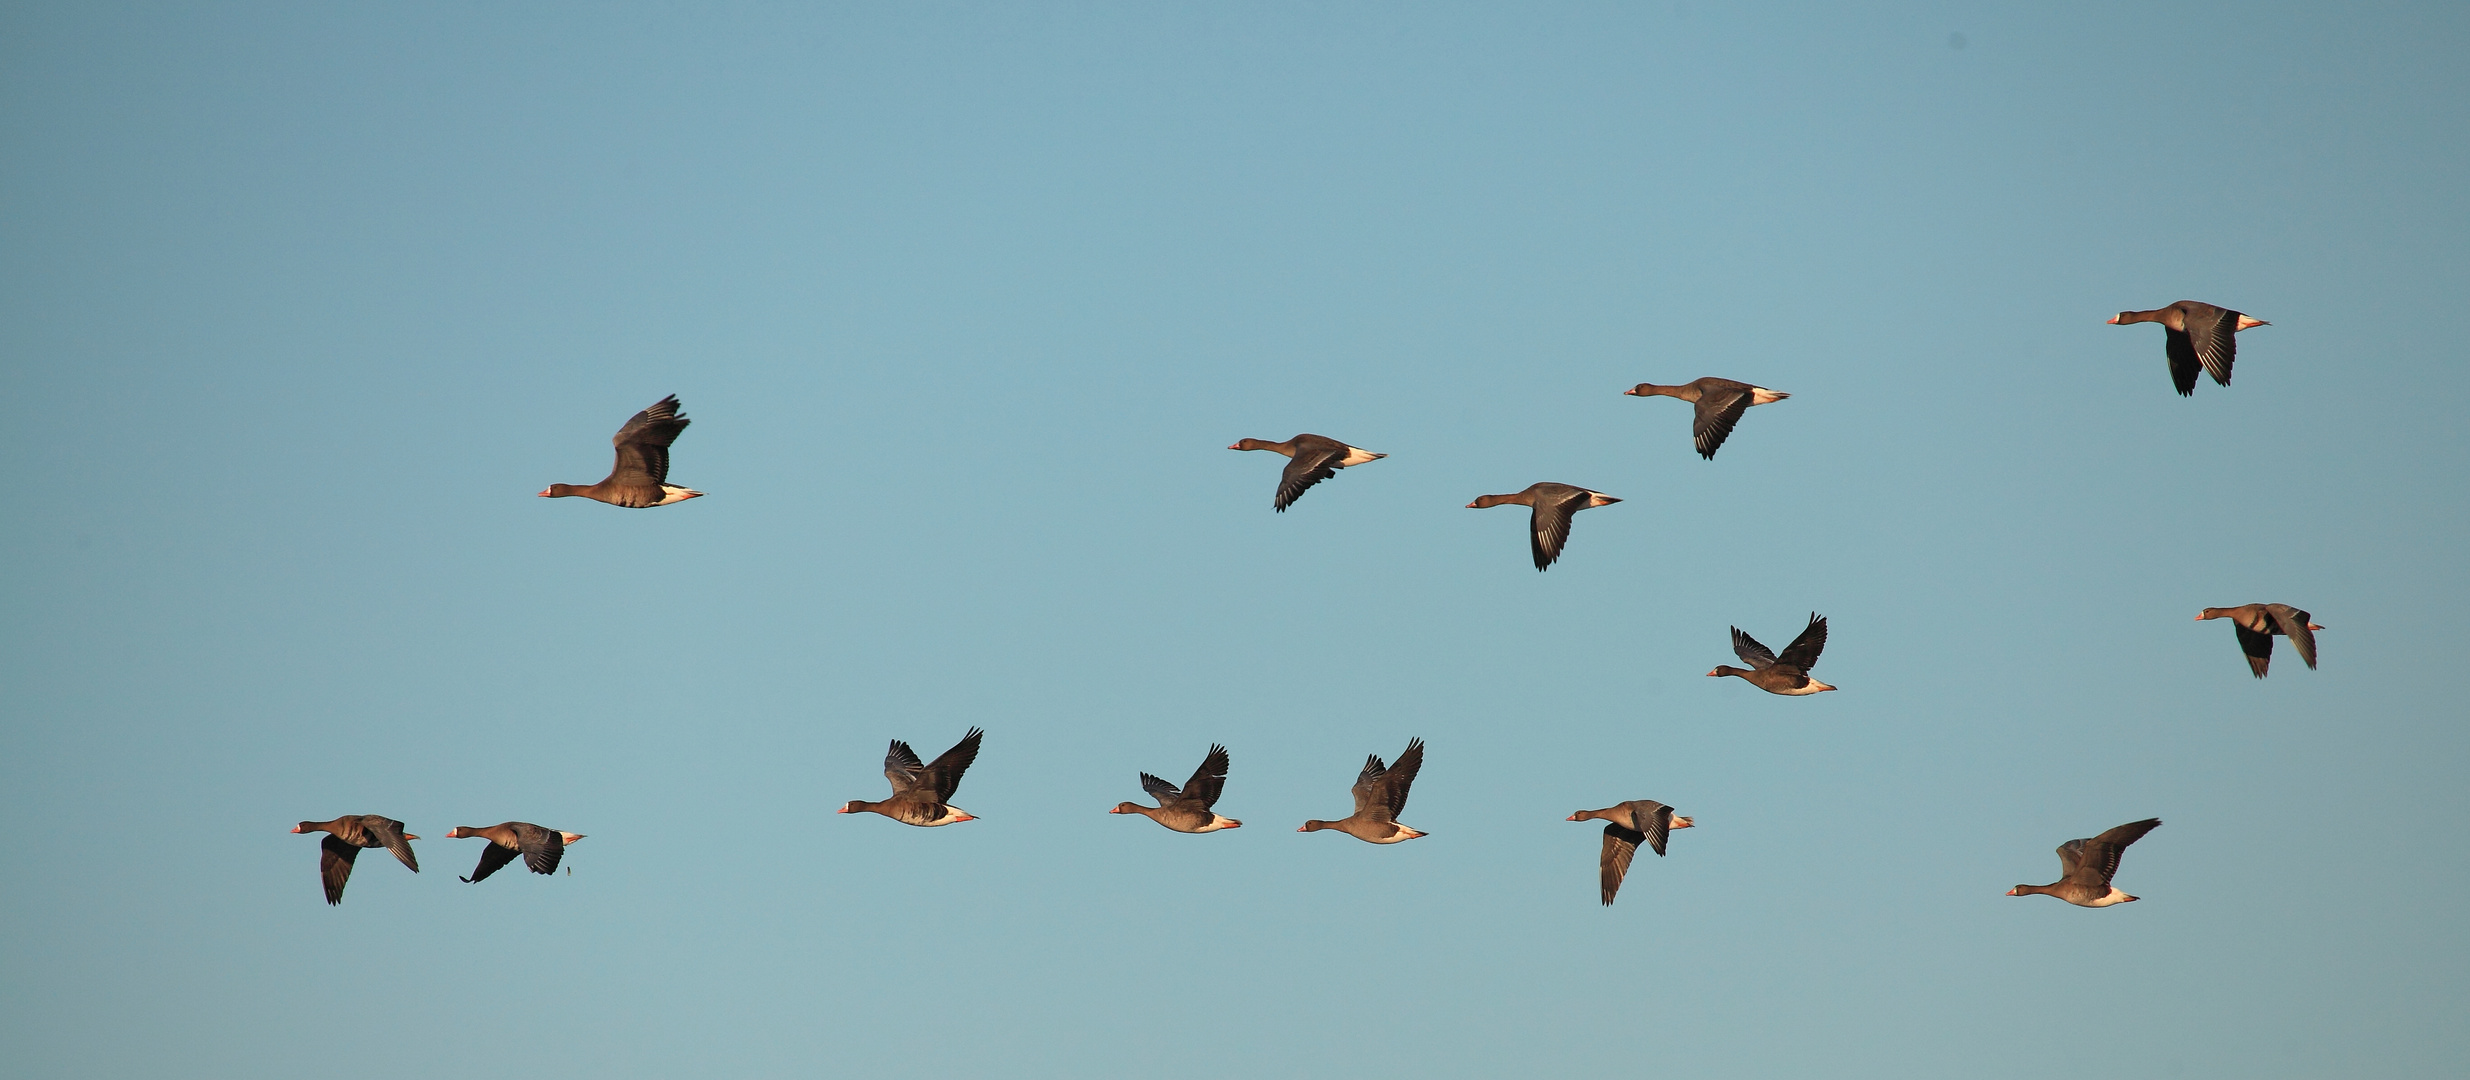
(641, 476)
(1187, 809)
(2086, 867)
(1380, 796)
(1719, 402)
(1310, 460)
(1548, 525)
(541, 848)
(922, 794)
(1626, 825)
(2199, 335)
(1789, 674)
(2258, 624)
(345, 836)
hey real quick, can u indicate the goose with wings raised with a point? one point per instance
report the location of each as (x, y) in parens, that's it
(641, 476)
(1380, 796)
(1188, 809)
(2086, 866)
(922, 794)
(1788, 674)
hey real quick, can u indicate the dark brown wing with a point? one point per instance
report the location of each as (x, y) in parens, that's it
(902, 767)
(389, 834)
(2212, 335)
(1208, 780)
(1718, 411)
(944, 776)
(2099, 855)
(1391, 788)
(643, 444)
(493, 858)
(1368, 801)
(334, 864)
(542, 848)
(1620, 846)
(2258, 645)
(1750, 651)
(2183, 363)
(1159, 789)
(1654, 820)
(1804, 650)
(1316, 459)
(2293, 624)
(1548, 527)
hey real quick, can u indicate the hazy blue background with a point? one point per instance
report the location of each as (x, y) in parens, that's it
(299, 304)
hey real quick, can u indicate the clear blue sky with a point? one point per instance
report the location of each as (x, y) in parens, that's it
(299, 304)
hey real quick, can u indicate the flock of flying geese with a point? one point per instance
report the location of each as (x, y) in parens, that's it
(2199, 337)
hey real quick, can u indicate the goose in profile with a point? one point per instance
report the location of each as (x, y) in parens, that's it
(541, 848)
(1789, 674)
(2258, 623)
(1187, 809)
(921, 794)
(1380, 796)
(2085, 867)
(1720, 403)
(1310, 460)
(1625, 826)
(1548, 526)
(345, 836)
(641, 476)
(2198, 334)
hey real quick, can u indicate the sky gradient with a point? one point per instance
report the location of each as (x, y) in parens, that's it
(300, 303)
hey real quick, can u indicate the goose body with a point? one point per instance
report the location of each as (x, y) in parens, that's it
(922, 794)
(1788, 674)
(2086, 867)
(641, 476)
(542, 849)
(346, 836)
(1380, 796)
(2198, 335)
(1719, 404)
(1548, 525)
(2258, 624)
(1627, 825)
(1187, 809)
(1310, 460)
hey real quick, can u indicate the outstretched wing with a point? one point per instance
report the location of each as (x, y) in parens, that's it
(1718, 411)
(1367, 785)
(1159, 789)
(902, 767)
(1620, 846)
(643, 444)
(1654, 819)
(2293, 624)
(2212, 333)
(334, 864)
(1311, 464)
(2100, 854)
(2258, 645)
(1208, 780)
(1750, 651)
(542, 848)
(1391, 788)
(1804, 650)
(1548, 527)
(945, 774)
(389, 832)
(492, 859)
(2183, 363)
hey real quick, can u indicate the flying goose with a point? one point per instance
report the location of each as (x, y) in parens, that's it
(345, 836)
(2086, 867)
(2199, 333)
(1311, 459)
(541, 848)
(1625, 826)
(1788, 675)
(921, 793)
(1548, 526)
(2256, 625)
(1380, 796)
(1187, 809)
(1720, 404)
(641, 476)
